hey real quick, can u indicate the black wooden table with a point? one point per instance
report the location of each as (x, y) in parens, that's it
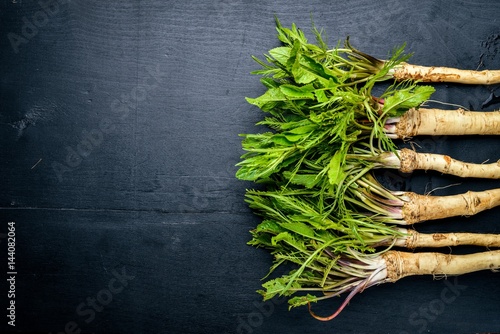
(119, 138)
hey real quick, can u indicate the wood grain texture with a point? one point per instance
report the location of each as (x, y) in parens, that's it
(134, 109)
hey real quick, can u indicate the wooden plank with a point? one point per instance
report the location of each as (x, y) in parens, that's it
(120, 126)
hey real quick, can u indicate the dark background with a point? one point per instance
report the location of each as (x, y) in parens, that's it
(119, 130)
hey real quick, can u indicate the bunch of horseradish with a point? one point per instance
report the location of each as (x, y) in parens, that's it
(326, 132)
